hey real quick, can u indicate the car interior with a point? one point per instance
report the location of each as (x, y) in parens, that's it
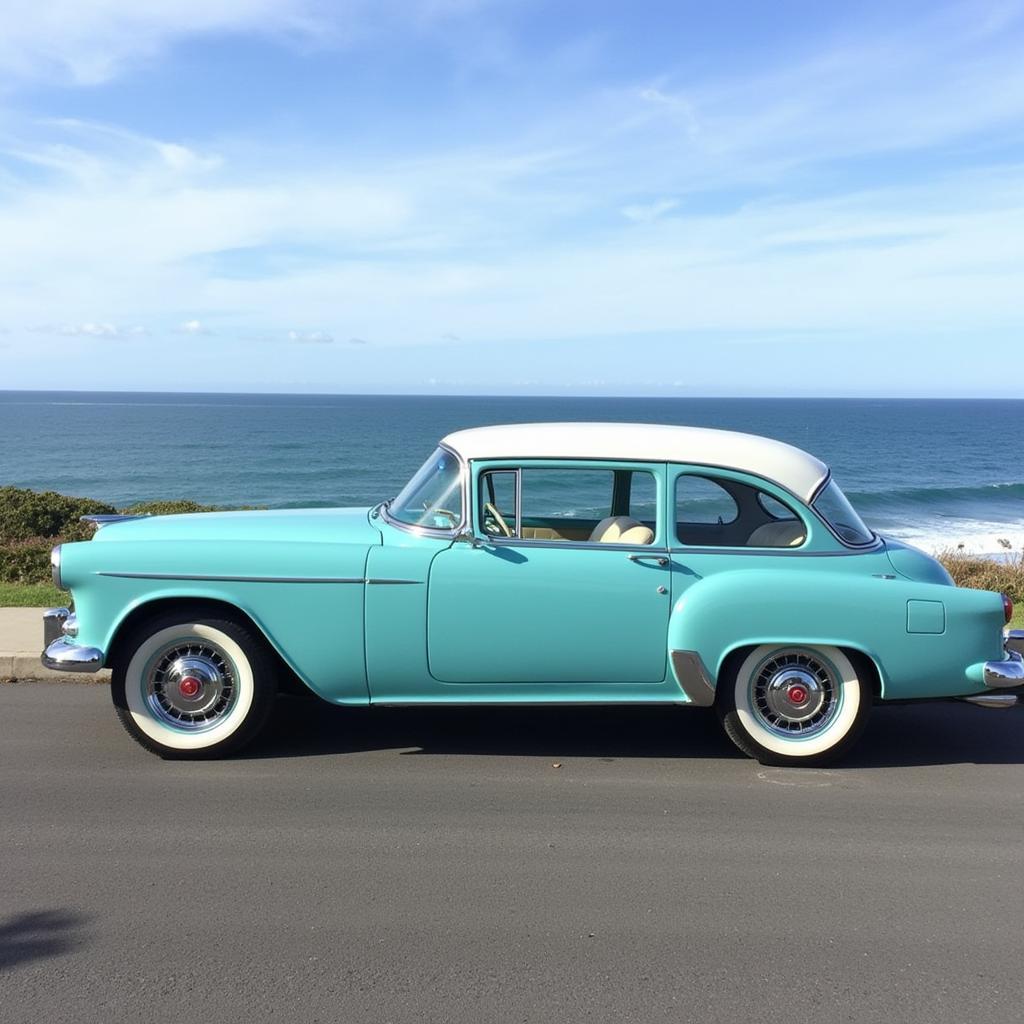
(620, 507)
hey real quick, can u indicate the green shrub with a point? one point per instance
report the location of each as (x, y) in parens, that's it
(26, 561)
(25, 514)
(168, 508)
(968, 570)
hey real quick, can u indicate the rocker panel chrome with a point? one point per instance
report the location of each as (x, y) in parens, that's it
(693, 678)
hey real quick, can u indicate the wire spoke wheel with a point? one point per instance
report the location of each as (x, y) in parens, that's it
(795, 694)
(794, 705)
(190, 684)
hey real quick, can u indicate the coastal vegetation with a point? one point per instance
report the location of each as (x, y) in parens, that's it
(32, 522)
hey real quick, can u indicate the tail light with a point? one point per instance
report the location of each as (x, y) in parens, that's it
(1007, 607)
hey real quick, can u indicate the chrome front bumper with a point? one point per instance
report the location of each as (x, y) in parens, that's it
(60, 652)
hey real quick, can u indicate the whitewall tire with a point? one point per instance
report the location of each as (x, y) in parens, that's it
(187, 686)
(794, 705)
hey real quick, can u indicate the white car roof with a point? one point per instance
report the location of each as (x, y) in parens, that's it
(793, 469)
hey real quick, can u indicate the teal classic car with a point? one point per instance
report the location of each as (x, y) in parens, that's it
(578, 563)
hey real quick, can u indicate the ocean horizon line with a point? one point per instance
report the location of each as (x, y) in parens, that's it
(476, 395)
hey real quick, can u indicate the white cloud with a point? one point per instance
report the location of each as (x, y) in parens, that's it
(311, 337)
(91, 329)
(194, 327)
(485, 242)
(86, 42)
(644, 213)
(89, 41)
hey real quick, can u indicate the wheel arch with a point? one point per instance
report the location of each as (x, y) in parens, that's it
(289, 681)
(863, 661)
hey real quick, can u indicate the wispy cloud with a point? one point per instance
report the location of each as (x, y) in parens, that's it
(873, 177)
(311, 337)
(193, 327)
(644, 213)
(91, 42)
(87, 43)
(91, 329)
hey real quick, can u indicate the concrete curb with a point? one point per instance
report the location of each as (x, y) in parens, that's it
(26, 668)
(21, 641)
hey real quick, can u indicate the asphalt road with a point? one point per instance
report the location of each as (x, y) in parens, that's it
(550, 865)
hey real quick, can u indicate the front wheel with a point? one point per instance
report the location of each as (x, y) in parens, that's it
(186, 686)
(794, 705)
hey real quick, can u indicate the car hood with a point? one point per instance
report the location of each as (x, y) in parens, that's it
(348, 525)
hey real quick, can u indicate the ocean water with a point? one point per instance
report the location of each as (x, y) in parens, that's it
(936, 473)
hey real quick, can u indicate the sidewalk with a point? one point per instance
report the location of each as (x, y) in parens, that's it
(21, 640)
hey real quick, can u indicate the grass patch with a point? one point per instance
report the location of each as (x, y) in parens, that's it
(32, 595)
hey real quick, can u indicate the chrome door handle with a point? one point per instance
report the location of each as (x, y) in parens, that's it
(660, 559)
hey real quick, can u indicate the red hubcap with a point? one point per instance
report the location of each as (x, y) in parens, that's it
(189, 686)
(797, 694)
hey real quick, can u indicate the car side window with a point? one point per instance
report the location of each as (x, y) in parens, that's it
(702, 502)
(713, 511)
(497, 509)
(569, 504)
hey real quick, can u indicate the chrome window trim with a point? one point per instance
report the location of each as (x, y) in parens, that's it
(800, 549)
(517, 466)
(594, 545)
(875, 541)
(872, 545)
(800, 552)
(430, 531)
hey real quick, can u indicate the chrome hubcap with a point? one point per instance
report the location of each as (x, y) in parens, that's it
(794, 694)
(190, 685)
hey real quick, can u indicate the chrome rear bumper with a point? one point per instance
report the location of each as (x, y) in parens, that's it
(1005, 679)
(60, 652)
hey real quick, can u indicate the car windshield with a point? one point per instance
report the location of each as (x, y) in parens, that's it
(834, 507)
(433, 497)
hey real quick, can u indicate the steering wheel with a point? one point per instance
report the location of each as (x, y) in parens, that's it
(498, 520)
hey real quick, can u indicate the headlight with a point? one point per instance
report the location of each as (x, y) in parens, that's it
(55, 567)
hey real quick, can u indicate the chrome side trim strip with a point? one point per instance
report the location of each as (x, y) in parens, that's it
(230, 579)
(693, 678)
(255, 579)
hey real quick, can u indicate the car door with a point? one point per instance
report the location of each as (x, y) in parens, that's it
(534, 599)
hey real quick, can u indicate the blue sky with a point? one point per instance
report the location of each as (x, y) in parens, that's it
(475, 196)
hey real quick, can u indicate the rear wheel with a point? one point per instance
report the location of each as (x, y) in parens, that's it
(794, 705)
(186, 686)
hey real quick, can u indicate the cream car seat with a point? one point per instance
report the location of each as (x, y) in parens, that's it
(622, 530)
(786, 534)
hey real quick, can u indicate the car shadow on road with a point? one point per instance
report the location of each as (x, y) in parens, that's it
(39, 935)
(897, 736)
